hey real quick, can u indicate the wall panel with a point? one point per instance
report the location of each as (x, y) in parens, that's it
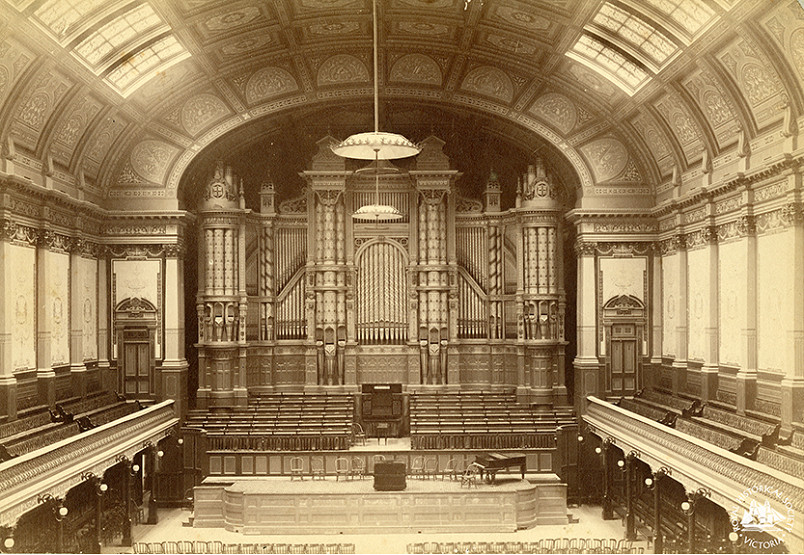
(774, 284)
(57, 306)
(698, 301)
(670, 302)
(732, 285)
(20, 302)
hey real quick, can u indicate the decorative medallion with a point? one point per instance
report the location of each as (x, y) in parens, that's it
(342, 68)
(269, 82)
(557, 110)
(416, 68)
(150, 159)
(423, 28)
(489, 81)
(607, 157)
(201, 111)
(232, 19)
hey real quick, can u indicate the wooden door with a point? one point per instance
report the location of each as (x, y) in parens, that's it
(137, 363)
(623, 359)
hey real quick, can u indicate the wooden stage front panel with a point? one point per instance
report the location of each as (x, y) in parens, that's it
(279, 506)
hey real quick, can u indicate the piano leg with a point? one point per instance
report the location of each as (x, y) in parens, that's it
(522, 468)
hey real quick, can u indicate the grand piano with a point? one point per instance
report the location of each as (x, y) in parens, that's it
(491, 463)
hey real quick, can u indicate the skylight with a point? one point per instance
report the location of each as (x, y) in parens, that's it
(125, 42)
(60, 15)
(610, 63)
(116, 33)
(646, 41)
(140, 67)
(691, 15)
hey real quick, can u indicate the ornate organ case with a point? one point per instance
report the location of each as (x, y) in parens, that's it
(455, 294)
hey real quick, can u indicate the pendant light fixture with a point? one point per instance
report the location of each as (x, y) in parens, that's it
(376, 145)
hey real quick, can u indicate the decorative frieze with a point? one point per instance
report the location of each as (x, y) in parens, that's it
(625, 227)
(630, 248)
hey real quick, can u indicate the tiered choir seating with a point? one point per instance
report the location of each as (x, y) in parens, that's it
(560, 545)
(220, 547)
(481, 420)
(40, 426)
(754, 436)
(283, 422)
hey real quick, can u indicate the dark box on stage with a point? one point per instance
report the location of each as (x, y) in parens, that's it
(389, 476)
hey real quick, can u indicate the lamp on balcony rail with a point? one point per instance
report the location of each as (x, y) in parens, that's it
(376, 145)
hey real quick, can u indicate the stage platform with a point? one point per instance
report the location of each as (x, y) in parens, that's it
(280, 506)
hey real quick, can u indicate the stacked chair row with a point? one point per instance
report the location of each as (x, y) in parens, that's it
(560, 545)
(220, 547)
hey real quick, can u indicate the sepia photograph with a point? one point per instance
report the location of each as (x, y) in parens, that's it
(401, 276)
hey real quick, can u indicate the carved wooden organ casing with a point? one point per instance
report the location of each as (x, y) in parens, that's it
(456, 293)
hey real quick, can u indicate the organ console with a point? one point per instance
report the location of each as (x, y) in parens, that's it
(300, 296)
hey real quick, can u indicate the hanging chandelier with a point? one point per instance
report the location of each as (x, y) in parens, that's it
(376, 145)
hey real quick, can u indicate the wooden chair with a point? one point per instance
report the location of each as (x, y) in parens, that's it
(317, 468)
(358, 434)
(469, 476)
(342, 468)
(417, 468)
(358, 467)
(215, 546)
(157, 547)
(142, 547)
(430, 468)
(450, 470)
(296, 468)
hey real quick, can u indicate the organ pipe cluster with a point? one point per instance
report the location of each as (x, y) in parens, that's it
(337, 302)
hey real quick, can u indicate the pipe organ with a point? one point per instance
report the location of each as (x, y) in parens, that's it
(458, 292)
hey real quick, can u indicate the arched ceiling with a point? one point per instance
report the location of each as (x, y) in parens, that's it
(112, 100)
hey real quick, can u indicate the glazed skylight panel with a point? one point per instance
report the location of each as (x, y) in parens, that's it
(610, 63)
(646, 41)
(59, 15)
(142, 66)
(97, 48)
(691, 15)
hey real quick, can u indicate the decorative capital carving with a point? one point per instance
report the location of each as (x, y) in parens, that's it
(746, 226)
(585, 248)
(793, 213)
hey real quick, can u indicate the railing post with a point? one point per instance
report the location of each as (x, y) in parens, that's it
(608, 512)
(689, 507)
(630, 462)
(654, 482)
(129, 471)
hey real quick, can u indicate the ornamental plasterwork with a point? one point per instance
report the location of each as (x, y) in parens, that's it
(489, 81)
(755, 76)
(771, 191)
(423, 28)
(416, 68)
(41, 99)
(727, 205)
(150, 159)
(465, 205)
(202, 110)
(340, 69)
(630, 248)
(21, 234)
(521, 17)
(269, 82)
(607, 157)
(678, 118)
(231, 19)
(717, 109)
(557, 110)
(625, 227)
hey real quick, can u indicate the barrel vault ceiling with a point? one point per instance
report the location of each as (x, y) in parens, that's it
(112, 100)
